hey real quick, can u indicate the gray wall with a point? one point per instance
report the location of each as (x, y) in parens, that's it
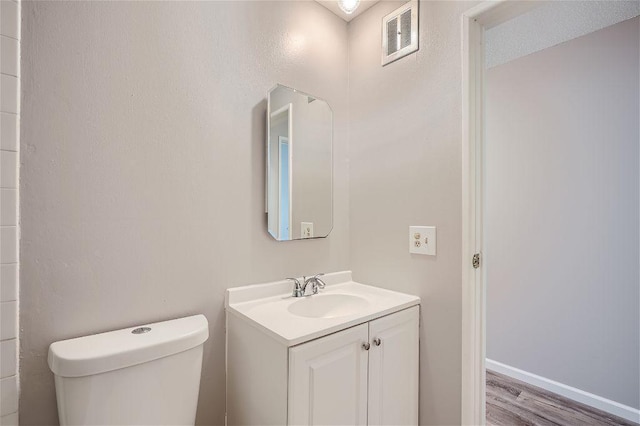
(142, 178)
(405, 169)
(562, 214)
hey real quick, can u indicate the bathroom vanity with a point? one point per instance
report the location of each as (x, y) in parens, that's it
(347, 355)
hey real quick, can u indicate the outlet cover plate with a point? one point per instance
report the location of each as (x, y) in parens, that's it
(306, 229)
(422, 240)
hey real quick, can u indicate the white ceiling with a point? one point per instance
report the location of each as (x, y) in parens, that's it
(332, 5)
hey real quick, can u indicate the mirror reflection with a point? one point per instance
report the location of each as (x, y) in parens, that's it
(299, 165)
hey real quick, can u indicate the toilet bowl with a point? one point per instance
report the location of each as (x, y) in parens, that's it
(146, 375)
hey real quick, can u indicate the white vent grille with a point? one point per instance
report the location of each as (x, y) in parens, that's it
(400, 32)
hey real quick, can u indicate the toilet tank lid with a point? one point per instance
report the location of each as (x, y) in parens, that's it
(113, 350)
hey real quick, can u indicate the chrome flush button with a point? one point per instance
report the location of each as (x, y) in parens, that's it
(141, 330)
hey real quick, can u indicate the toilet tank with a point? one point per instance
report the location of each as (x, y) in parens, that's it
(143, 375)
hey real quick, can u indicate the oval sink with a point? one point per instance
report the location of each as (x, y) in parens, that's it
(328, 306)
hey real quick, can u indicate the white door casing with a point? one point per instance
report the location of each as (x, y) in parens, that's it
(474, 23)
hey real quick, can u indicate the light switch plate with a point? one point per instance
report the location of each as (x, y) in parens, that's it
(422, 240)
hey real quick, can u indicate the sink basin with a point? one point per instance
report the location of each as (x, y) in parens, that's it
(291, 321)
(328, 306)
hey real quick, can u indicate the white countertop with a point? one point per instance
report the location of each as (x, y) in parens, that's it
(266, 306)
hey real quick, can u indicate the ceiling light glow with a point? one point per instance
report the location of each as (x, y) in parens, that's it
(348, 6)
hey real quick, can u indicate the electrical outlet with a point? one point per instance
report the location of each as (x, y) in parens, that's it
(306, 229)
(422, 240)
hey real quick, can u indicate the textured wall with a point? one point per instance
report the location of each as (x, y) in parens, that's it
(9, 198)
(143, 135)
(552, 23)
(562, 219)
(404, 167)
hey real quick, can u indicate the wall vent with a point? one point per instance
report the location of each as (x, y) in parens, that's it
(400, 32)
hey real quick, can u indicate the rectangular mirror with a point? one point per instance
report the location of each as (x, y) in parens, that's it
(299, 165)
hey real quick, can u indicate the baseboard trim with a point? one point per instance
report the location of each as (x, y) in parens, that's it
(595, 401)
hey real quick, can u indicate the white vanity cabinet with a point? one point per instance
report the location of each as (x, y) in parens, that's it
(345, 356)
(364, 375)
(328, 379)
(394, 369)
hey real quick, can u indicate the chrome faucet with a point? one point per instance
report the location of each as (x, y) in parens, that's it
(300, 289)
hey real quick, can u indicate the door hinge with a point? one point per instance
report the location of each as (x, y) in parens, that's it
(476, 261)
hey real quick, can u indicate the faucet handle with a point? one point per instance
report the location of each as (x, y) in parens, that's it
(295, 282)
(318, 281)
(297, 287)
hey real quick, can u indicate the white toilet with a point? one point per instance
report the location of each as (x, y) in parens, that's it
(148, 375)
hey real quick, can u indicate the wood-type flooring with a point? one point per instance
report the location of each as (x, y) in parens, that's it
(511, 402)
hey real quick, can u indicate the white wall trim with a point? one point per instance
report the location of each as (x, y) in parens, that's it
(595, 401)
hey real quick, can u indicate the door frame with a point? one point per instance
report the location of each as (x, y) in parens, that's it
(475, 21)
(288, 109)
(282, 140)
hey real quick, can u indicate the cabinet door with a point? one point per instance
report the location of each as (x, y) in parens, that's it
(393, 369)
(328, 380)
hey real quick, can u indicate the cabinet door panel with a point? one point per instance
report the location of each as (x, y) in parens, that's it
(393, 369)
(328, 380)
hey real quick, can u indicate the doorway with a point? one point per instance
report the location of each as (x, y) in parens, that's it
(476, 254)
